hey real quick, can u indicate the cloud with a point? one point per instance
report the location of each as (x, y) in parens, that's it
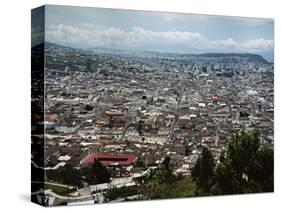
(225, 43)
(259, 44)
(67, 34)
(255, 45)
(89, 35)
(92, 35)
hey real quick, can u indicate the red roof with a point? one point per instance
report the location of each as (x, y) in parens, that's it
(109, 159)
(215, 97)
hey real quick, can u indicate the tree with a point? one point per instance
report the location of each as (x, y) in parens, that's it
(151, 188)
(140, 127)
(89, 107)
(203, 171)
(95, 174)
(187, 150)
(122, 192)
(245, 166)
(261, 178)
(100, 173)
(166, 171)
(66, 175)
(92, 65)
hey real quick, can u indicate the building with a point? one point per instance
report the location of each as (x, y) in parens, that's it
(111, 160)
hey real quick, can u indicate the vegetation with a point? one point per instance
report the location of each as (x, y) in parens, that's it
(182, 187)
(68, 175)
(91, 65)
(162, 183)
(203, 171)
(114, 193)
(99, 173)
(245, 166)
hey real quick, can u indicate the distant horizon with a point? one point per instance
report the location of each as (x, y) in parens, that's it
(154, 51)
(183, 33)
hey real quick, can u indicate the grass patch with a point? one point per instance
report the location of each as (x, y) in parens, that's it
(179, 189)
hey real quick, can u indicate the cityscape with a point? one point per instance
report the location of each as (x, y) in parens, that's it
(113, 124)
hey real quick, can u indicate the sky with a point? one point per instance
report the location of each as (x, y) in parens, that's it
(86, 27)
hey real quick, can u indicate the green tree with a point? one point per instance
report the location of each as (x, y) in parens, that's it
(151, 188)
(260, 172)
(203, 171)
(245, 166)
(65, 175)
(100, 174)
(92, 65)
(122, 192)
(166, 170)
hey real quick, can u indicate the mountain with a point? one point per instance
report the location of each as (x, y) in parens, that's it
(230, 57)
(54, 45)
(248, 56)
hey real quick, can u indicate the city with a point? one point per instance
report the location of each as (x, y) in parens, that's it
(123, 124)
(132, 112)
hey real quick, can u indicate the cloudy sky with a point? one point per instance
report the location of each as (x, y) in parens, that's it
(157, 31)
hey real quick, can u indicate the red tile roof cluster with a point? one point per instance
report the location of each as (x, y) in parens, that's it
(215, 98)
(109, 159)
